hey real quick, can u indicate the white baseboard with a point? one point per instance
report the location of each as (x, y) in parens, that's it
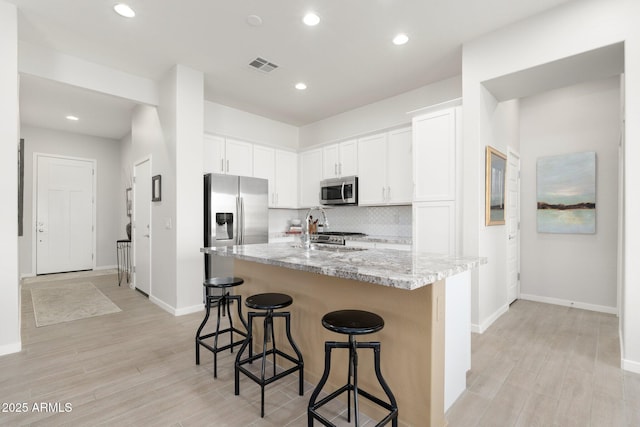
(567, 303)
(479, 329)
(175, 311)
(163, 305)
(11, 348)
(27, 275)
(189, 310)
(107, 267)
(631, 366)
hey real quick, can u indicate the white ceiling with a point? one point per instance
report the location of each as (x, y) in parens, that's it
(347, 61)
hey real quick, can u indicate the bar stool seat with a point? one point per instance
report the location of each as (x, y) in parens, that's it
(268, 302)
(223, 301)
(352, 323)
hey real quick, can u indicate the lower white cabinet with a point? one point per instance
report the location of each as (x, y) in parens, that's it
(377, 245)
(434, 227)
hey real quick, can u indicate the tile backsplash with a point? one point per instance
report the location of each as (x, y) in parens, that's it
(373, 220)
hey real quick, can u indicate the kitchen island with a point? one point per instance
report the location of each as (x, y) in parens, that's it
(407, 289)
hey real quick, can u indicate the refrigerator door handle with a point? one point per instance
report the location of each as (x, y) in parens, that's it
(240, 210)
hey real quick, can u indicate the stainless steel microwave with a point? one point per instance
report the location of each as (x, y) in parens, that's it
(339, 191)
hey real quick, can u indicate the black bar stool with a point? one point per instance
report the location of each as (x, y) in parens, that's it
(223, 301)
(268, 302)
(352, 322)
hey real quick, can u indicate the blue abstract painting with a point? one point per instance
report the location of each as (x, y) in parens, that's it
(566, 193)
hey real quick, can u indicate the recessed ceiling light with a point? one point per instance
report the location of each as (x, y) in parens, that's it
(124, 10)
(400, 39)
(73, 118)
(311, 19)
(301, 86)
(254, 20)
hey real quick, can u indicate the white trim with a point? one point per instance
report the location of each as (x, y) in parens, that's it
(456, 102)
(34, 204)
(480, 329)
(11, 348)
(631, 366)
(176, 311)
(107, 267)
(189, 310)
(567, 303)
(163, 305)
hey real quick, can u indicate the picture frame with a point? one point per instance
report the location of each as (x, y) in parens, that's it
(128, 201)
(495, 180)
(156, 188)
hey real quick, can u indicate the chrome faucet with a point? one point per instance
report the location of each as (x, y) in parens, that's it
(306, 238)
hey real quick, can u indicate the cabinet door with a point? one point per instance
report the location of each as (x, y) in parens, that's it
(309, 177)
(213, 154)
(372, 181)
(399, 167)
(348, 163)
(286, 179)
(434, 149)
(434, 227)
(264, 166)
(238, 157)
(330, 161)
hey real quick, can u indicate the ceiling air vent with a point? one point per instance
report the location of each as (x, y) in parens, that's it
(263, 65)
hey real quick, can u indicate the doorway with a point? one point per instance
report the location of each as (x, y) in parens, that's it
(65, 214)
(141, 225)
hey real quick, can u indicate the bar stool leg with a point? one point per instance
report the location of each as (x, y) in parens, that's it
(221, 301)
(247, 341)
(383, 383)
(204, 321)
(295, 348)
(354, 361)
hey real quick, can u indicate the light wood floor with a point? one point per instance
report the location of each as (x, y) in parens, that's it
(537, 365)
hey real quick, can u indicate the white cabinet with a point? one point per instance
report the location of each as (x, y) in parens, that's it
(286, 179)
(227, 156)
(280, 168)
(434, 160)
(434, 227)
(376, 245)
(340, 159)
(310, 175)
(384, 168)
(399, 167)
(436, 216)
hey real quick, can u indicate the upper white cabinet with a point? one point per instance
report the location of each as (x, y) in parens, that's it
(340, 159)
(399, 170)
(434, 160)
(310, 176)
(384, 168)
(286, 179)
(227, 156)
(280, 168)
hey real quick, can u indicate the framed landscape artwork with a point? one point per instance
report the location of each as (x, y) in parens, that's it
(495, 175)
(566, 193)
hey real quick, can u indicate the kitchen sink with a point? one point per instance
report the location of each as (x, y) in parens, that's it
(330, 248)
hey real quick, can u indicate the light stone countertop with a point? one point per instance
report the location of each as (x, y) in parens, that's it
(400, 240)
(387, 267)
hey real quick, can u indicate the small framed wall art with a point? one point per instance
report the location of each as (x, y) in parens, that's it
(156, 188)
(495, 176)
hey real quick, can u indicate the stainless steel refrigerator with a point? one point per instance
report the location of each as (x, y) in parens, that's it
(235, 213)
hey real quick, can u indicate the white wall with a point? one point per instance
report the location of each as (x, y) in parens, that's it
(226, 121)
(573, 28)
(579, 268)
(380, 115)
(109, 193)
(9, 285)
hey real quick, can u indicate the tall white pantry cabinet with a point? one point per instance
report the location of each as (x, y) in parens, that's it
(436, 217)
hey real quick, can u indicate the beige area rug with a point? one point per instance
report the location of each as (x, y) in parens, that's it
(59, 303)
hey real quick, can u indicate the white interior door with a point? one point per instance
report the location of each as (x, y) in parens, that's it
(65, 218)
(513, 226)
(142, 226)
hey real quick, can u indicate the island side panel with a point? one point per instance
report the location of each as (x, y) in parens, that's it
(412, 340)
